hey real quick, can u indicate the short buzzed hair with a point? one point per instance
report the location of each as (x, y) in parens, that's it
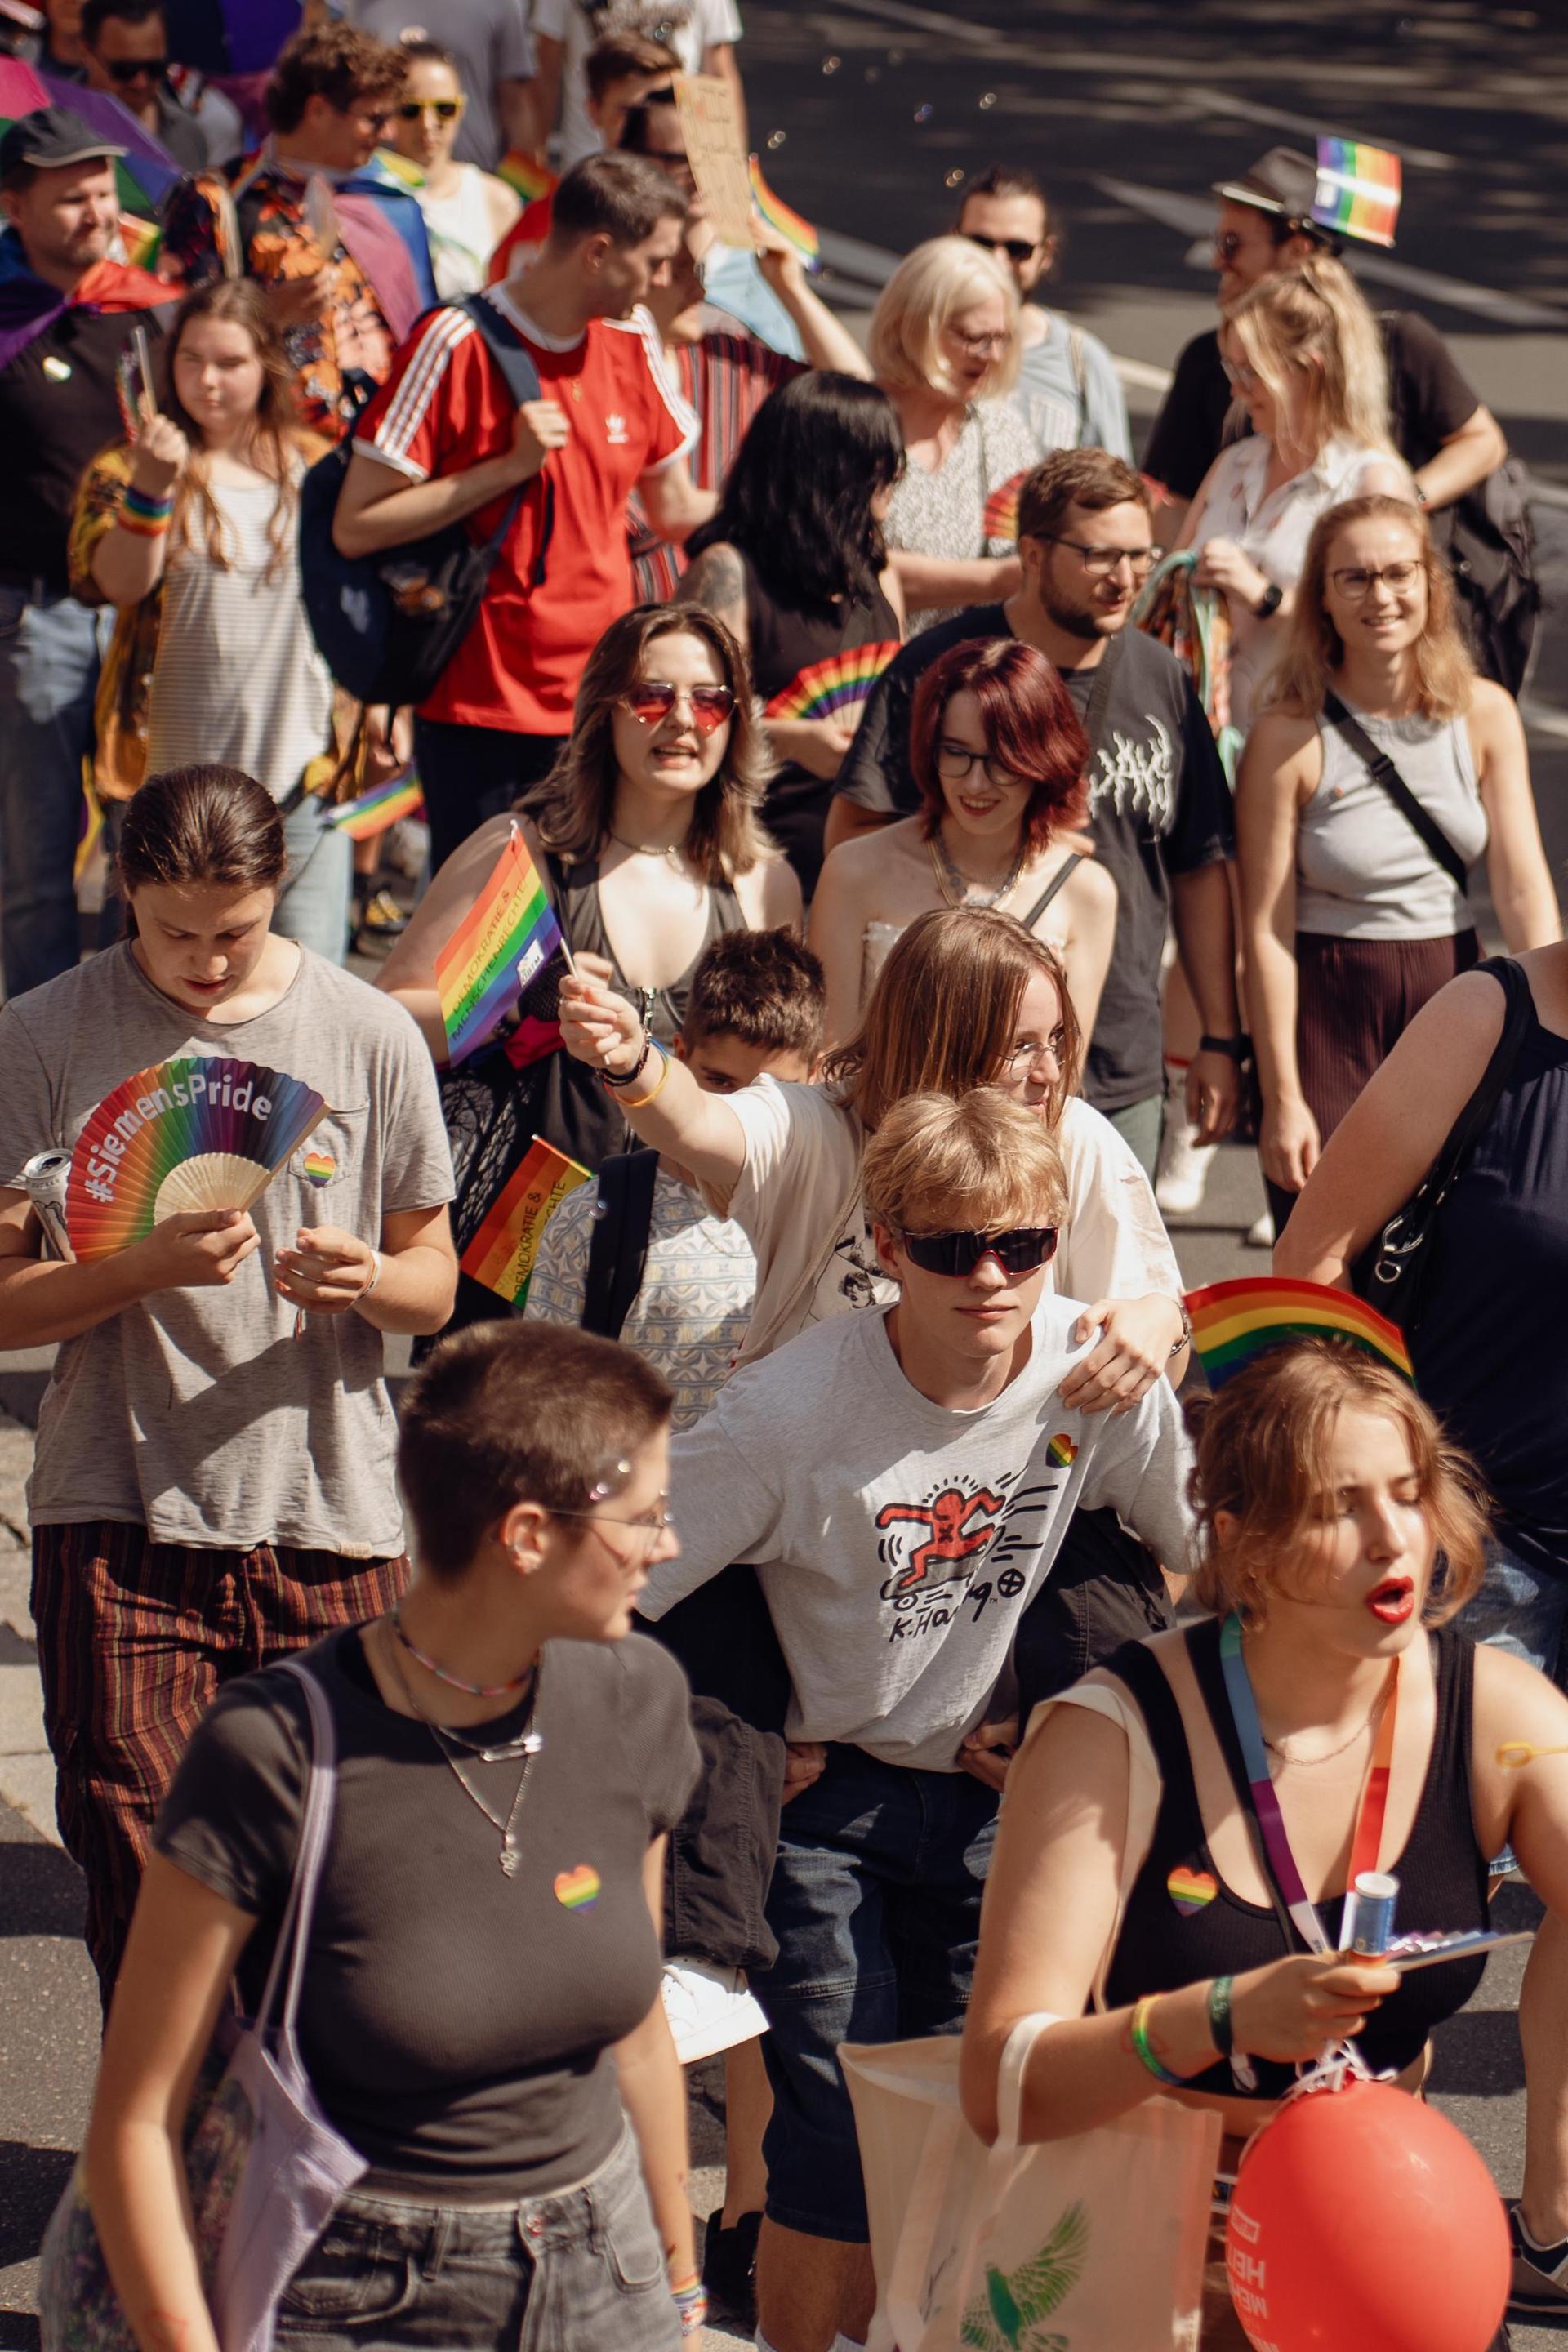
(622, 197)
(975, 1162)
(1077, 478)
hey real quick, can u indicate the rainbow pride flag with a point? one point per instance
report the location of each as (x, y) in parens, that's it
(778, 215)
(524, 176)
(508, 934)
(1358, 189)
(1233, 1322)
(503, 1252)
(835, 688)
(374, 810)
(1001, 518)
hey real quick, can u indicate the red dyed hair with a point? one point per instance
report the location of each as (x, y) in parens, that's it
(1031, 729)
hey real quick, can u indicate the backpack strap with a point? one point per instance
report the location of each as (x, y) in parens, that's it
(512, 357)
(1386, 775)
(1080, 376)
(617, 1252)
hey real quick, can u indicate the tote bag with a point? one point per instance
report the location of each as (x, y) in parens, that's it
(1095, 2243)
(264, 2166)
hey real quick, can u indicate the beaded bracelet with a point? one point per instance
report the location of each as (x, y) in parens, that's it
(619, 1078)
(641, 1102)
(1143, 2048)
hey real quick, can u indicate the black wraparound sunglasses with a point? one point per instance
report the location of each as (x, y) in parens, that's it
(1023, 1249)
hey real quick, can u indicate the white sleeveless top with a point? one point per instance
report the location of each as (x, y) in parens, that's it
(461, 237)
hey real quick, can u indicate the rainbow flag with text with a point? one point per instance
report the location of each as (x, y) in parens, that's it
(503, 1252)
(508, 935)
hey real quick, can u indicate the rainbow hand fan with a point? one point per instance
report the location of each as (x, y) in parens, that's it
(1234, 1322)
(204, 1132)
(835, 687)
(1001, 516)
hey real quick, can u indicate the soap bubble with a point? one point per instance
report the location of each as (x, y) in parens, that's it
(777, 138)
(954, 180)
(987, 101)
(895, 57)
(924, 114)
(873, 73)
(831, 65)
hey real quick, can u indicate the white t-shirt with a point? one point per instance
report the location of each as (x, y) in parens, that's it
(798, 1200)
(690, 27)
(899, 1543)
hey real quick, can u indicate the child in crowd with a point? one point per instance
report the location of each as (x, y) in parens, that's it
(639, 1257)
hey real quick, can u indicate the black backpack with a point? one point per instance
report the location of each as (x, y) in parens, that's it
(387, 624)
(1490, 541)
(617, 1252)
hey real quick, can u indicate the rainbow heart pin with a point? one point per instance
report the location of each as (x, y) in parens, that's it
(1190, 1890)
(1061, 1453)
(320, 1167)
(577, 1890)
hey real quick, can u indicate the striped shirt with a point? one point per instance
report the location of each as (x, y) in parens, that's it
(723, 379)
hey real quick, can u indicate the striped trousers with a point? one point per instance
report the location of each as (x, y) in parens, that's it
(135, 1640)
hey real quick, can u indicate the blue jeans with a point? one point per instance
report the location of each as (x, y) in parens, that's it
(581, 2270)
(314, 907)
(875, 1903)
(50, 651)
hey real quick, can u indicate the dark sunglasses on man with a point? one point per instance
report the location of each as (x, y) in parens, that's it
(126, 70)
(1022, 1249)
(1016, 249)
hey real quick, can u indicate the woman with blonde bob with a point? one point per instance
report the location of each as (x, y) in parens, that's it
(1306, 364)
(647, 837)
(967, 998)
(1343, 1531)
(945, 347)
(1350, 920)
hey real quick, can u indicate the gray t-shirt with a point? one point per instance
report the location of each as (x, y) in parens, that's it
(899, 1543)
(196, 1413)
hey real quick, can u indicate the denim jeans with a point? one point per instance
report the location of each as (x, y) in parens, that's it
(50, 651)
(875, 1903)
(581, 2270)
(314, 907)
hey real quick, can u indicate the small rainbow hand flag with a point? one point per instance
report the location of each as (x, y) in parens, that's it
(1001, 518)
(524, 176)
(835, 688)
(1358, 189)
(374, 810)
(508, 934)
(1233, 1322)
(503, 1252)
(789, 224)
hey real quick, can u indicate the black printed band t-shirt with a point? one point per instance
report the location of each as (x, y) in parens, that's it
(1159, 805)
(456, 2024)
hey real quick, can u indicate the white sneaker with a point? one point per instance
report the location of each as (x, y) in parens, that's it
(1184, 1165)
(708, 2010)
(1260, 1233)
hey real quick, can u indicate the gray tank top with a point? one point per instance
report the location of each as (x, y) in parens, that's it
(1362, 872)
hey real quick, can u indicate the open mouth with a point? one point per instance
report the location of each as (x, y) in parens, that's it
(1393, 1601)
(977, 808)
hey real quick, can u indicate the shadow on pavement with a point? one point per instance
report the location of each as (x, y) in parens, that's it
(41, 1892)
(31, 2179)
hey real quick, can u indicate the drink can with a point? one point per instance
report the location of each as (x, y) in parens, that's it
(45, 1177)
(1369, 1913)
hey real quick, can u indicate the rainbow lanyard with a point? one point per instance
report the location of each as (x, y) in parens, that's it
(1266, 1804)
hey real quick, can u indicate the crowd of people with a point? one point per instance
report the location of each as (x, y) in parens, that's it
(954, 834)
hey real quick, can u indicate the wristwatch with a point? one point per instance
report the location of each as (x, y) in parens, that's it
(1186, 1332)
(1268, 604)
(1238, 1049)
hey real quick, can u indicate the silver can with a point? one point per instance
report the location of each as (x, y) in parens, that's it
(46, 1176)
(1369, 1913)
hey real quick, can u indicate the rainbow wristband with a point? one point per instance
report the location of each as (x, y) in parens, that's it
(152, 506)
(143, 526)
(1143, 2048)
(691, 2306)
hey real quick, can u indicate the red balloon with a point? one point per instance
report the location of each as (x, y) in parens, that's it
(1364, 2221)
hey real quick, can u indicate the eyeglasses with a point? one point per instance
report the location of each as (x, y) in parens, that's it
(1228, 244)
(1355, 584)
(654, 698)
(129, 69)
(960, 761)
(1024, 1060)
(445, 109)
(1239, 377)
(1016, 249)
(1099, 562)
(653, 1524)
(1023, 1249)
(980, 346)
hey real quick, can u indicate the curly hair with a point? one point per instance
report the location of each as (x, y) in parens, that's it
(1262, 1461)
(1313, 648)
(338, 63)
(573, 807)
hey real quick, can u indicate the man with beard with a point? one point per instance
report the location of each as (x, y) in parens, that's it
(1160, 809)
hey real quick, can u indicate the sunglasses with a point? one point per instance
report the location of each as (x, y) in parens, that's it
(655, 698)
(445, 109)
(1022, 1250)
(130, 69)
(1016, 249)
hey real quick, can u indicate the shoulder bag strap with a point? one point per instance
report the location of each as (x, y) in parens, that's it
(1100, 695)
(507, 349)
(1079, 374)
(1476, 1117)
(617, 1252)
(315, 1829)
(1052, 887)
(1386, 775)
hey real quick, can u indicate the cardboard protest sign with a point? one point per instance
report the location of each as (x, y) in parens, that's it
(711, 128)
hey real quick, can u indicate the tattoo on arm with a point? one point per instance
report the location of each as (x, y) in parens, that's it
(717, 578)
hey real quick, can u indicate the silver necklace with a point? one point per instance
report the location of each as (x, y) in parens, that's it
(955, 887)
(672, 850)
(530, 1745)
(1305, 1763)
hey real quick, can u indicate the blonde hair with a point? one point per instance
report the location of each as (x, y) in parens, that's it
(574, 805)
(925, 294)
(944, 1014)
(1263, 1460)
(975, 1163)
(1310, 335)
(1313, 650)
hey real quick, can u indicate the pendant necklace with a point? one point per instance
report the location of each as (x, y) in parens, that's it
(954, 887)
(530, 1745)
(672, 850)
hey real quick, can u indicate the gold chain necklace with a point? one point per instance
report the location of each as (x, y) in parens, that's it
(955, 887)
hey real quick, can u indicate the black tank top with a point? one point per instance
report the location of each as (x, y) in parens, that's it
(787, 641)
(1488, 1348)
(1179, 1935)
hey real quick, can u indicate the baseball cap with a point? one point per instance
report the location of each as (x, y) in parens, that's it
(49, 138)
(1284, 182)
